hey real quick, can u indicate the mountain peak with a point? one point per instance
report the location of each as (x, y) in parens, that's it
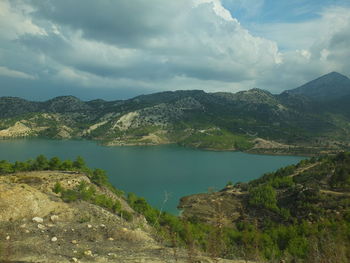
(327, 87)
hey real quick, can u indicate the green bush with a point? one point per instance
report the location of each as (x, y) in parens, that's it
(57, 188)
(126, 215)
(263, 196)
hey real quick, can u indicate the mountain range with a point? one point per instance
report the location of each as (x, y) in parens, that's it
(312, 118)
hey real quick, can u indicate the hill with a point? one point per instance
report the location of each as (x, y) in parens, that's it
(72, 214)
(331, 86)
(300, 212)
(293, 122)
(60, 211)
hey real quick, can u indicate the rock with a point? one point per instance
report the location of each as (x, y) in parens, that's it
(27, 231)
(37, 220)
(103, 226)
(88, 253)
(110, 238)
(54, 239)
(74, 242)
(42, 227)
(54, 218)
(89, 226)
(8, 238)
(23, 226)
(74, 260)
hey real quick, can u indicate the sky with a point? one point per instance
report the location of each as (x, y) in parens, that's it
(117, 49)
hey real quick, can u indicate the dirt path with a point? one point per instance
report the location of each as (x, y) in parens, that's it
(299, 171)
(334, 193)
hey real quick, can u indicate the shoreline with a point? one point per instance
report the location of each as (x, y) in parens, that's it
(292, 151)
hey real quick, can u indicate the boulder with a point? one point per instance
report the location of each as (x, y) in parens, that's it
(37, 220)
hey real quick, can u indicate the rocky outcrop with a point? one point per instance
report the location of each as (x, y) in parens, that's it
(37, 226)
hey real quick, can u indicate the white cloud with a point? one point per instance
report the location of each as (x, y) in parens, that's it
(4, 71)
(15, 20)
(167, 45)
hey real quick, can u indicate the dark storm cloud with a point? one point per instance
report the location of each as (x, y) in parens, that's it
(53, 46)
(124, 22)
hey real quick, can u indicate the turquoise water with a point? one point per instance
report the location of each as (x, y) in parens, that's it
(154, 172)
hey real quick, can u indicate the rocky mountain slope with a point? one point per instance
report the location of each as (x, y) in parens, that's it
(303, 209)
(331, 86)
(38, 225)
(298, 119)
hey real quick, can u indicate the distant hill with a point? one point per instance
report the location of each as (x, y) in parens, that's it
(310, 119)
(328, 87)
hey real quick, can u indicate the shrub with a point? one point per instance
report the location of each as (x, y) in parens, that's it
(263, 196)
(57, 188)
(126, 215)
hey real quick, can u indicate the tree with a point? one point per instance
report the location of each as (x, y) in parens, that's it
(66, 165)
(263, 196)
(79, 163)
(55, 163)
(21, 166)
(5, 167)
(41, 163)
(99, 177)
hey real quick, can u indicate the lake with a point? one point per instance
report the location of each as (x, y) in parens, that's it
(161, 174)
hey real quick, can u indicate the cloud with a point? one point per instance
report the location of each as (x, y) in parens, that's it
(197, 40)
(14, 73)
(165, 45)
(15, 22)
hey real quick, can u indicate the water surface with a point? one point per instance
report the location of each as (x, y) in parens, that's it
(158, 173)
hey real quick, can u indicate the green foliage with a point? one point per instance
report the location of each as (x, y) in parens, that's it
(79, 163)
(126, 215)
(217, 139)
(99, 177)
(263, 196)
(141, 206)
(69, 195)
(57, 188)
(6, 167)
(66, 165)
(40, 163)
(55, 163)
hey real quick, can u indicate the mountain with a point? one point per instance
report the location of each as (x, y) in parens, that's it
(329, 87)
(254, 120)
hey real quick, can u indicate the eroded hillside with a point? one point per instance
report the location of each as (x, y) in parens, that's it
(291, 122)
(36, 225)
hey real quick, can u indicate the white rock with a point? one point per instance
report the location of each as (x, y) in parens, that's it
(42, 227)
(88, 253)
(74, 260)
(74, 242)
(54, 218)
(54, 239)
(8, 238)
(110, 238)
(37, 220)
(89, 226)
